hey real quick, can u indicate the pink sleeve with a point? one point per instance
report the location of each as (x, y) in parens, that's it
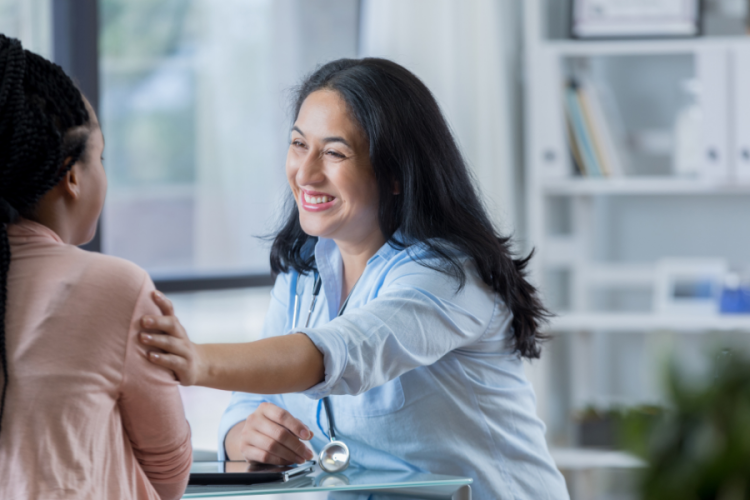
(152, 411)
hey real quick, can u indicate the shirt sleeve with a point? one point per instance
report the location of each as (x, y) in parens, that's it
(418, 316)
(152, 411)
(243, 404)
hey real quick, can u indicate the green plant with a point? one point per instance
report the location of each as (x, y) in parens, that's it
(700, 448)
(612, 427)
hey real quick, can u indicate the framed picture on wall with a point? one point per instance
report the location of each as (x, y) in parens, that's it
(689, 286)
(635, 18)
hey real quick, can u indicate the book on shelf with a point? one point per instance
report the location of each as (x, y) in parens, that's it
(588, 163)
(574, 151)
(593, 133)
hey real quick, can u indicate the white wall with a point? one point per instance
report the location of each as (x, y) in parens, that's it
(468, 54)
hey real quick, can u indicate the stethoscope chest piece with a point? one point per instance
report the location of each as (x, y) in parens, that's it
(334, 457)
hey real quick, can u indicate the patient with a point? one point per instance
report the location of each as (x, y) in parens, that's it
(83, 414)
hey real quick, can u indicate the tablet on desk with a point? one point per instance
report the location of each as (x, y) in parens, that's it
(241, 472)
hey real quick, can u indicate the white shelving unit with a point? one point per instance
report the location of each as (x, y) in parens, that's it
(657, 186)
(649, 323)
(589, 205)
(580, 459)
(576, 48)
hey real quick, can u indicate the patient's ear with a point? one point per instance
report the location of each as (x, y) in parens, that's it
(71, 181)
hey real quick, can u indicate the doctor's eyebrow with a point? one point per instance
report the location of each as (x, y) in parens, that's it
(326, 140)
(343, 141)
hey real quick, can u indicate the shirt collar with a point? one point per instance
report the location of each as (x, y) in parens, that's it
(326, 248)
(330, 266)
(387, 250)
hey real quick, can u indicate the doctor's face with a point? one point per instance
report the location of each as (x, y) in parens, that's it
(329, 171)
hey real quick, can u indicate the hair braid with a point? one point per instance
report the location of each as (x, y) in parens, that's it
(44, 126)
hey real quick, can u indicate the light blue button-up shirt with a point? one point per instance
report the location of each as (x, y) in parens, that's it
(421, 375)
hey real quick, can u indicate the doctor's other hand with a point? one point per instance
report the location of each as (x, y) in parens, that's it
(269, 435)
(176, 351)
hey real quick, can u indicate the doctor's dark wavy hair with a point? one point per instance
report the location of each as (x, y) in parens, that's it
(438, 205)
(43, 132)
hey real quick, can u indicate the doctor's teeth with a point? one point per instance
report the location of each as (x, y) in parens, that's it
(317, 199)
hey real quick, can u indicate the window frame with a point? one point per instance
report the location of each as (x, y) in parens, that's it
(75, 36)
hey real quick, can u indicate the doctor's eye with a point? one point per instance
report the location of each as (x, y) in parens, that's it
(297, 143)
(335, 154)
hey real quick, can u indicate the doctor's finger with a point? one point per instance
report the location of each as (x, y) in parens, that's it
(273, 448)
(285, 438)
(285, 419)
(175, 363)
(163, 303)
(166, 343)
(256, 455)
(167, 324)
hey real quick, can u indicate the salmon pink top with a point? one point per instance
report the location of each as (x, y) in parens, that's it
(86, 415)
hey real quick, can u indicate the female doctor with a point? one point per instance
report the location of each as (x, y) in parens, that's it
(423, 316)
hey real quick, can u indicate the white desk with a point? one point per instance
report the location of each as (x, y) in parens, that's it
(352, 484)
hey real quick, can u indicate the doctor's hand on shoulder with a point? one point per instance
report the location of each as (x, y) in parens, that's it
(269, 435)
(175, 350)
(260, 367)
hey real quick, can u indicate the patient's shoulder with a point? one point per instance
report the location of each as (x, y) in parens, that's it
(111, 276)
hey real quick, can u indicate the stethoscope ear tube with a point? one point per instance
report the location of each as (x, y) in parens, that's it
(296, 311)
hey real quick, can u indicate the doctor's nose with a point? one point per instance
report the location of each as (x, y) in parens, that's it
(310, 170)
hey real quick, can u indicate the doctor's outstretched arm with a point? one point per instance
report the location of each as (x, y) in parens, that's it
(276, 365)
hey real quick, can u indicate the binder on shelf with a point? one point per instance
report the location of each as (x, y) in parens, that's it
(741, 99)
(712, 70)
(547, 140)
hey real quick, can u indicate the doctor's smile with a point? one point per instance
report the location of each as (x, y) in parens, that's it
(313, 201)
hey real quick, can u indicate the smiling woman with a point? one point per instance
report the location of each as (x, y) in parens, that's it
(438, 318)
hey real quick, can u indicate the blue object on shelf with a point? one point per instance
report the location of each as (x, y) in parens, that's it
(735, 301)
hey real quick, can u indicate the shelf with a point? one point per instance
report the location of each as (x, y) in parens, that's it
(584, 48)
(582, 459)
(598, 235)
(577, 186)
(630, 322)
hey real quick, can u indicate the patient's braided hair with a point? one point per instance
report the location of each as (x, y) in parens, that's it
(43, 132)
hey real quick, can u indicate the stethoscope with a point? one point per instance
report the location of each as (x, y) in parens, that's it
(334, 457)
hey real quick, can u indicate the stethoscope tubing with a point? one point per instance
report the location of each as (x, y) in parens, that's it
(330, 461)
(316, 291)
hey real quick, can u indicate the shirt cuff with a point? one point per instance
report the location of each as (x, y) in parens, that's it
(236, 413)
(335, 357)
